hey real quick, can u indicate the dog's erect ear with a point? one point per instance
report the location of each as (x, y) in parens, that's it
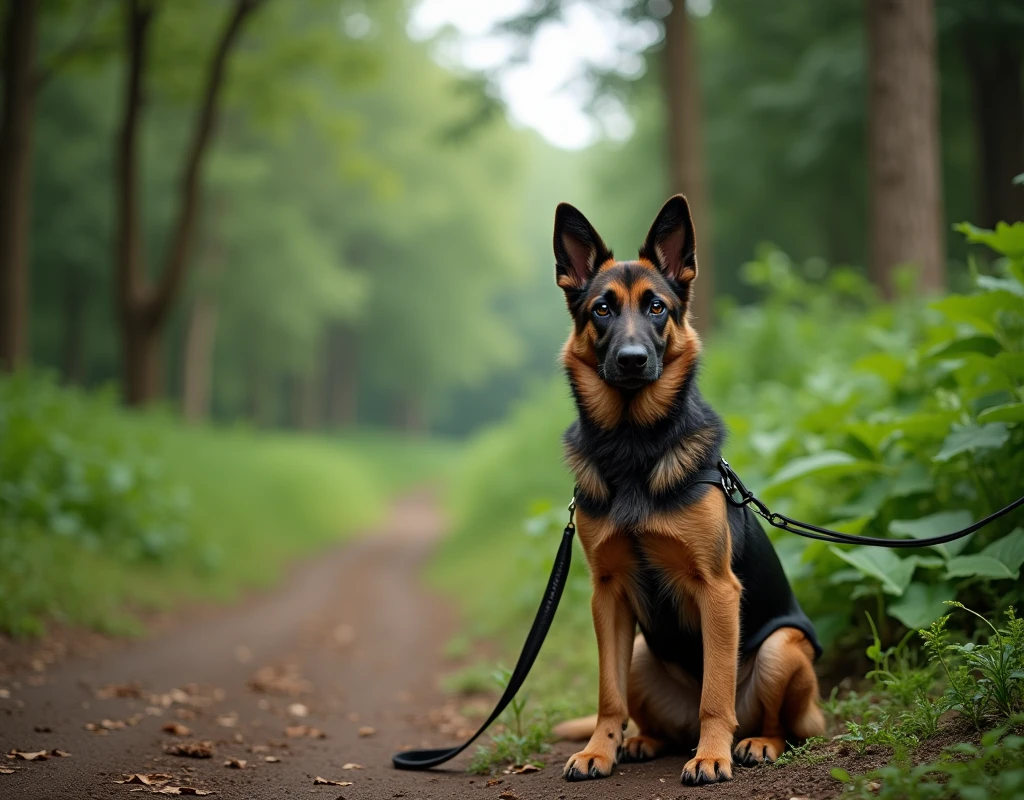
(670, 245)
(578, 249)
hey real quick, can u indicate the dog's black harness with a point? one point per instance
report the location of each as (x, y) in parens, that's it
(773, 611)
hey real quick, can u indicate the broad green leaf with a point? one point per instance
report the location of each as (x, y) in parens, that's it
(985, 345)
(1008, 412)
(887, 366)
(912, 480)
(979, 566)
(893, 572)
(1009, 550)
(972, 438)
(1005, 239)
(993, 284)
(853, 525)
(921, 604)
(828, 463)
(935, 525)
(979, 310)
(1010, 364)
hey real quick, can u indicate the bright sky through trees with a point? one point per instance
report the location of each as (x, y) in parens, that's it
(549, 90)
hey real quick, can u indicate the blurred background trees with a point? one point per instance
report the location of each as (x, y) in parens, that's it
(300, 215)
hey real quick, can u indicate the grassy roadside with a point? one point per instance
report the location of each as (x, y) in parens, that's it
(104, 513)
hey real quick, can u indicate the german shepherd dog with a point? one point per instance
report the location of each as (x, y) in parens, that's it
(724, 649)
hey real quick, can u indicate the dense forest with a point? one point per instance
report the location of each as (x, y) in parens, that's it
(293, 215)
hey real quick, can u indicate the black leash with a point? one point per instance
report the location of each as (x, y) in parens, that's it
(737, 495)
(425, 759)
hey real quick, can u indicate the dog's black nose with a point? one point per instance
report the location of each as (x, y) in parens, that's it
(632, 357)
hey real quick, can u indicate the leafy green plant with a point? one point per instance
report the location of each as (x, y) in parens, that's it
(65, 470)
(984, 679)
(521, 738)
(992, 771)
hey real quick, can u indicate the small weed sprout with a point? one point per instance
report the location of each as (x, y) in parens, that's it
(521, 738)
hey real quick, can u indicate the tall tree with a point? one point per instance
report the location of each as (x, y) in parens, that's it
(143, 309)
(685, 135)
(990, 36)
(905, 185)
(16, 179)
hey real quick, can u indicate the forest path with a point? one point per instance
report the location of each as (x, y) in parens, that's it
(353, 638)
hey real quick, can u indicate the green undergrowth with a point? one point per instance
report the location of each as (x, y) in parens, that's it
(106, 513)
(917, 695)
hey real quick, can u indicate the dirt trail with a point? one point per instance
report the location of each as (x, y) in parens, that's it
(355, 638)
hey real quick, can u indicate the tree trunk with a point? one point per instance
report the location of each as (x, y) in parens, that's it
(197, 376)
(905, 187)
(342, 371)
(412, 414)
(686, 151)
(16, 181)
(143, 361)
(140, 305)
(305, 402)
(998, 100)
(76, 295)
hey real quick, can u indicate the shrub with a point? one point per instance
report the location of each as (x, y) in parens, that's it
(66, 468)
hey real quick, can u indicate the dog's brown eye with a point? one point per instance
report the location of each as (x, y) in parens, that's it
(602, 310)
(657, 307)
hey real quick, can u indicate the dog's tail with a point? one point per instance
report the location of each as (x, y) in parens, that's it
(576, 730)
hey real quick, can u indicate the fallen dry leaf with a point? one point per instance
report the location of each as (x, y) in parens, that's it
(258, 748)
(119, 690)
(327, 782)
(236, 763)
(304, 731)
(271, 759)
(40, 755)
(298, 710)
(285, 680)
(147, 778)
(228, 720)
(59, 753)
(113, 724)
(507, 795)
(524, 769)
(7, 771)
(184, 790)
(352, 766)
(195, 749)
(494, 782)
(366, 730)
(177, 729)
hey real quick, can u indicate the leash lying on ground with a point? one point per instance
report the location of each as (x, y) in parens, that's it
(737, 495)
(425, 759)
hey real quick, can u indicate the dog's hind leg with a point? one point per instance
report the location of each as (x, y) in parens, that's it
(664, 707)
(787, 690)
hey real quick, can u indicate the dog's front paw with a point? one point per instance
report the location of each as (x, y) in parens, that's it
(705, 769)
(588, 764)
(640, 748)
(755, 750)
